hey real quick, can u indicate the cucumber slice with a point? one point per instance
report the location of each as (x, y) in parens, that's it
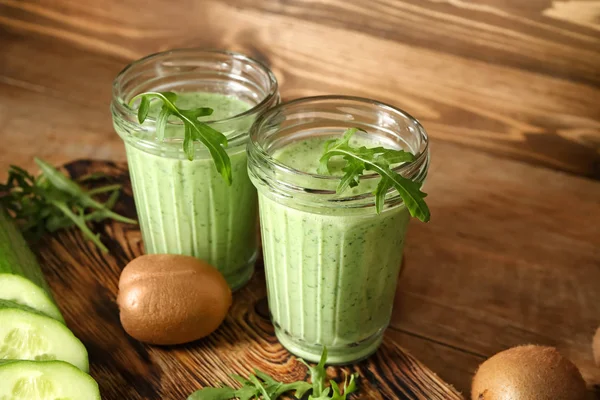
(45, 380)
(21, 290)
(26, 334)
(21, 278)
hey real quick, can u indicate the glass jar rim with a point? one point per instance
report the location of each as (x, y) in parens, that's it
(420, 158)
(124, 107)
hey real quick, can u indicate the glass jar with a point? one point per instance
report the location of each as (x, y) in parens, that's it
(331, 262)
(186, 207)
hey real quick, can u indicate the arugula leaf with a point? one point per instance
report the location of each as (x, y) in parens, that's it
(379, 160)
(323, 396)
(349, 388)
(104, 189)
(263, 386)
(247, 392)
(261, 389)
(80, 222)
(144, 109)
(66, 185)
(210, 393)
(271, 385)
(94, 176)
(299, 388)
(161, 124)
(110, 203)
(53, 201)
(318, 375)
(194, 130)
(337, 394)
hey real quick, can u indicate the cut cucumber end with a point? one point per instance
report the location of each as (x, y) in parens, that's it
(22, 291)
(29, 335)
(45, 380)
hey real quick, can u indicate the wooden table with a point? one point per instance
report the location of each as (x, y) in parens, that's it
(508, 90)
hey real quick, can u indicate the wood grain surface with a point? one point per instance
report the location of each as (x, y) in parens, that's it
(515, 78)
(84, 282)
(509, 91)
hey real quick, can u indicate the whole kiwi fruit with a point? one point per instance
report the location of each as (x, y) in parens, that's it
(170, 299)
(528, 373)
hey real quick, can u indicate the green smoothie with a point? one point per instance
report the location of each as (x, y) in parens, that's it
(185, 207)
(331, 271)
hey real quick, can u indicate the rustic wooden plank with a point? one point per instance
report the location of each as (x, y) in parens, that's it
(545, 113)
(527, 35)
(84, 282)
(36, 123)
(79, 76)
(452, 364)
(520, 37)
(511, 255)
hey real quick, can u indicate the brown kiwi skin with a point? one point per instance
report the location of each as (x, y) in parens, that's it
(528, 372)
(596, 347)
(169, 299)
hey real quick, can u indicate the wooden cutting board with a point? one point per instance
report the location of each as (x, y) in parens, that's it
(84, 282)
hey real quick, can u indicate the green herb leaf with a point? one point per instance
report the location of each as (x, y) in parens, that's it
(275, 388)
(299, 388)
(94, 176)
(161, 123)
(112, 199)
(80, 222)
(271, 385)
(379, 160)
(337, 394)
(247, 392)
(262, 390)
(103, 189)
(53, 201)
(263, 386)
(323, 396)
(188, 143)
(62, 183)
(69, 187)
(209, 393)
(143, 110)
(318, 374)
(349, 388)
(194, 130)
(265, 378)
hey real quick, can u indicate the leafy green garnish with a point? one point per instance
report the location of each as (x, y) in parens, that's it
(349, 387)
(194, 130)
(318, 375)
(379, 160)
(209, 393)
(262, 386)
(52, 201)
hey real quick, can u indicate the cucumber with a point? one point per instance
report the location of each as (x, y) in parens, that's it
(45, 380)
(26, 334)
(21, 278)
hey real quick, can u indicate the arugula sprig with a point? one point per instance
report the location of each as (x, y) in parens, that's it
(379, 160)
(194, 130)
(262, 386)
(52, 201)
(349, 388)
(318, 376)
